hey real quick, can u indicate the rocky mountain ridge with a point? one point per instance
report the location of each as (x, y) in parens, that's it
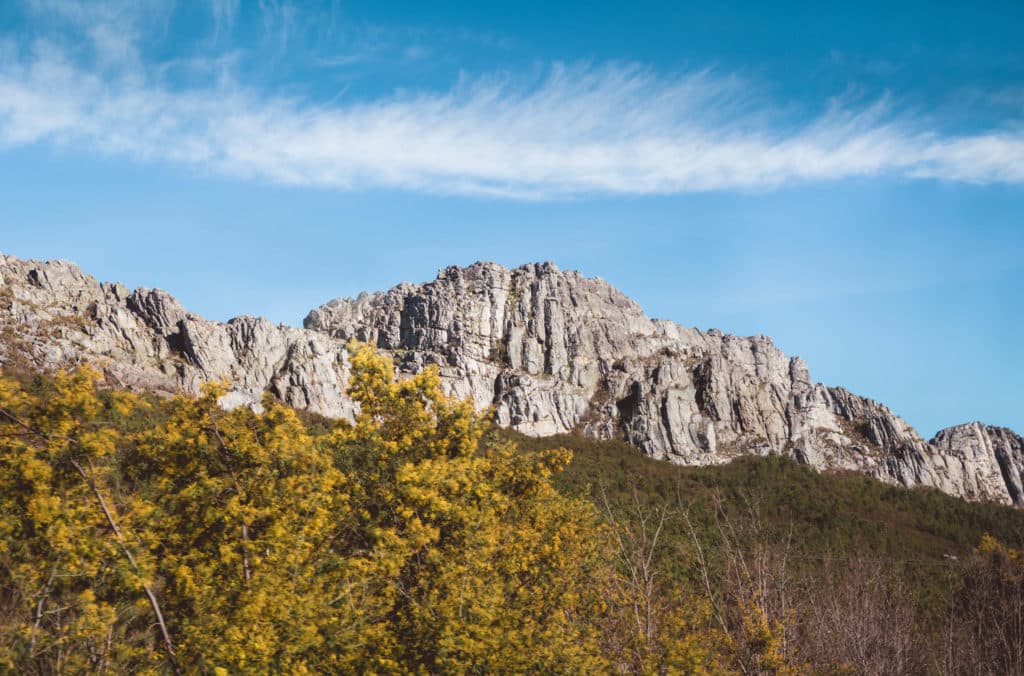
(53, 315)
(552, 351)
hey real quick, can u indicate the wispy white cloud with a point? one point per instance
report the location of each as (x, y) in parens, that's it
(577, 129)
(278, 21)
(112, 28)
(224, 13)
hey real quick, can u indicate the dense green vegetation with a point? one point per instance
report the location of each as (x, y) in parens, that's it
(922, 533)
(828, 511)
(148, 535)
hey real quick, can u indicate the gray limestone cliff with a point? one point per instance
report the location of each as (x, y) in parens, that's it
(53, 315)
(551, 351)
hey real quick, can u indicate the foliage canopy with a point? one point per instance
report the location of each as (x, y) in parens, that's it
(146, 535)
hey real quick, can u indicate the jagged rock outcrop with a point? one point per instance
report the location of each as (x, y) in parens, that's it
(986, 460)
(554, 352)
(550, 351)
(53, 315)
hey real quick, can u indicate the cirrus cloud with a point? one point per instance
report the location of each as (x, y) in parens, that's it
(578, 129)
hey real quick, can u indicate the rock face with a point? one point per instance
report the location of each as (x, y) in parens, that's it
(991, 460)
(550, 351)
(53, 315)
(555, 352)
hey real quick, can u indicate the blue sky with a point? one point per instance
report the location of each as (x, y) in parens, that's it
(848, 180)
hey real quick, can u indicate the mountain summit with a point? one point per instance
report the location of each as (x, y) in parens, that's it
(552, 352)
